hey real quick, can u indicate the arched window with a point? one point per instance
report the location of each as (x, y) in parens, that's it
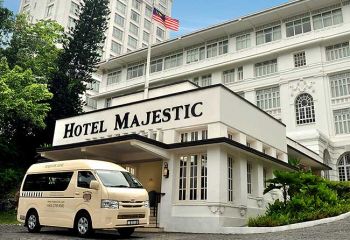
(304, 109)
(344, 167)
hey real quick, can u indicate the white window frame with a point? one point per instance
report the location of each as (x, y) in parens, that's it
(192, 178)
(230, 179)
(114, 77)
(119, 20)
(269, 34)
(135, 71)
(243, 41)
(266, 68)
(299, 59)
(298, 26)
(228, 76)
(342, 121)
(249, 178)
(268, 98)
(338, 51)
(132, 42)
(156, 65)
(340, 85)
(173, 61)
(305, 114)
(327, 18)
(343, 167)
(195, 54)
(121, 7)
(118, 34)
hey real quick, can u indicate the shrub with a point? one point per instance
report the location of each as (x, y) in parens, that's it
(10, 178)
(310, 198)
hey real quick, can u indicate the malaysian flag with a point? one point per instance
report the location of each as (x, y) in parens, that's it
(168, 22)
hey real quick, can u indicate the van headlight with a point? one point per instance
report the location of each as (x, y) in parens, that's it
(146, 203)
(106, 203)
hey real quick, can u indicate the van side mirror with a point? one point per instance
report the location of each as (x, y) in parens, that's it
(94, 185)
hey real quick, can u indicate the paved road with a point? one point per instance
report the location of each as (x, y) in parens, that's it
(339, 230)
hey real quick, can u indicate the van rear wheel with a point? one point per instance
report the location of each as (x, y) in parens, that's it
(83, 225)
(32, 221)
(126, 232)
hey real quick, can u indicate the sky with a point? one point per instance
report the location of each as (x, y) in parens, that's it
(197, 14)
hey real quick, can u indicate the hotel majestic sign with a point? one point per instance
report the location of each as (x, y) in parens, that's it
(132, 120)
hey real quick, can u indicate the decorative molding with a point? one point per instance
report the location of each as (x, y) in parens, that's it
(260, 202)
(217, 210)
(302, 86)
(243, 210)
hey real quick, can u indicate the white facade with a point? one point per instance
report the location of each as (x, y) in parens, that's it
(129, 27)
(209, 163)
(291, 60)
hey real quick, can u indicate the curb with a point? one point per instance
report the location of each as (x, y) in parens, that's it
(253, 230)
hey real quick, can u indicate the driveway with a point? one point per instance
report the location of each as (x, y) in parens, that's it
(339, 230)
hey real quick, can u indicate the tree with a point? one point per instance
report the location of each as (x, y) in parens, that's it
(6, 21)
(28, 60)
(77, 63)
(34, 46)
(23, 104)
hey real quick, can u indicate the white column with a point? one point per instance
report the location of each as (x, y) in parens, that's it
(240, 181)
(257, 145)
(272, 152)
(241, 138)
(216, 130)
(258, 180)
(217, 174)
(169, 187)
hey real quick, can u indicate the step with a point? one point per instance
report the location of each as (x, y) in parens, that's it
(150, 230)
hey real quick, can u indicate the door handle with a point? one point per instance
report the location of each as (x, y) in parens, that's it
(77, 193)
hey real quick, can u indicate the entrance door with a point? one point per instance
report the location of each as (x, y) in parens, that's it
(150, 176)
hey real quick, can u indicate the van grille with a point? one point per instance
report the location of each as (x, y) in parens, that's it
(131, 216)
(129, 204)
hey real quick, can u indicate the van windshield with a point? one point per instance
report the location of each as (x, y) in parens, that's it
(118, 179)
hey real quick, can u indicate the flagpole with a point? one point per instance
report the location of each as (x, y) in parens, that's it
(148, 64)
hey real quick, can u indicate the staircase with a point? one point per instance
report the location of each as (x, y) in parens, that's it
(153, 224)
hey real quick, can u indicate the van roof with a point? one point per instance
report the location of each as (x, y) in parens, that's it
(72, 165)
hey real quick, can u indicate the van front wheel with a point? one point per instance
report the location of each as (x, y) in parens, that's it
(32, 221)
(83, 225)
(126, 232)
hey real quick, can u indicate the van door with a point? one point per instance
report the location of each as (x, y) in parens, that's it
(85, 197)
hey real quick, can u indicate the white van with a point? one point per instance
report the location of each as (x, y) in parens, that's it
(83, 195)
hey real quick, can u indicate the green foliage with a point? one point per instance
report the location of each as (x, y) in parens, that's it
(9, 217)
(6, 23)
(27, 59)
(293, 161)
(34, 46)
(306, 197)
(10, 178)
(22, 96)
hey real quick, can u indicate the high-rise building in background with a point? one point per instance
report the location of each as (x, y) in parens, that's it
(129, 27)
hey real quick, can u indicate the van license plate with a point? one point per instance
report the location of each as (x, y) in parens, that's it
(133, 222)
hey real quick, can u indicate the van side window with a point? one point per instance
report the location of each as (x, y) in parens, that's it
(47, 182)
(84, 179)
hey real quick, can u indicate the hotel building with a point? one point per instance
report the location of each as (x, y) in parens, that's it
(227, 106)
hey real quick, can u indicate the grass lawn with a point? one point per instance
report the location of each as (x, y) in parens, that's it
(8, 217)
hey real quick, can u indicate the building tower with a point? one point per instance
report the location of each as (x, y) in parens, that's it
(128, 28)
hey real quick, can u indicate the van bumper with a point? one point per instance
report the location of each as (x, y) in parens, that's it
(121, 218)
